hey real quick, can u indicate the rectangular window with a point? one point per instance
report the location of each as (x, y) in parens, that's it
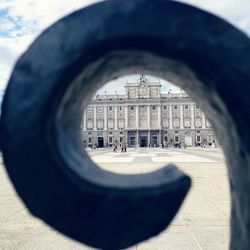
(120, 124)
(110, 108)
(210, 138)
(175, 107)
(187, 123)
(176, 138)
(153, 107)
(90, 140)
(110, 124)
(196, 106)
(110, 139)
(120, 108)
(131, 123)
(198, 138)
(198, 122)
(89, 124)
(143, 109)
(100, 124)
(121, 139)
(186, 106)
(89, 109)
(154, 122)
(165, 107)
(165, 123)
(131, 107)
(176, 123)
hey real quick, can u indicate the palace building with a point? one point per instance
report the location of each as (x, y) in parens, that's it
(144, 116)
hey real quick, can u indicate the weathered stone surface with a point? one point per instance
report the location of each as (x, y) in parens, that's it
(18, 230)
(62, 69)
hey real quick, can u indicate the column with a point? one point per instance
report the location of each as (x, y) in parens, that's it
(105, 126)
(137, 138)
(170, 117)
(115, 109)
(148, 116)
(203, 125)
(149, 142)
(137, 116)
(84, 120)
(126, 116)
(94, 125)
(181, 116)
(105, 118)
(192, 115)
(126, 137)
(159, 116)
(159, 139)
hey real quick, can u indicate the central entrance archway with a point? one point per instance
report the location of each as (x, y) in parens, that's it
(143, 138)
(143, 141)
(100, 142)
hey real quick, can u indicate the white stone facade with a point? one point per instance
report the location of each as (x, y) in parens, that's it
(145, 117)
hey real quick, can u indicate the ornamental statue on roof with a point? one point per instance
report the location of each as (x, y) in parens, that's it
(144, 88)
(143, 80)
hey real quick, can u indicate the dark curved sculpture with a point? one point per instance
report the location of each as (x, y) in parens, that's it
(42, 108)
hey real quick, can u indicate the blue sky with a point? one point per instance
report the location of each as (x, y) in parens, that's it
(21, 21)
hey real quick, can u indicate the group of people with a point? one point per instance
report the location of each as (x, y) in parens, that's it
(123, 148)
(94, 146)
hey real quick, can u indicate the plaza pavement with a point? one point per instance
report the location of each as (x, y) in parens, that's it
(202, 222)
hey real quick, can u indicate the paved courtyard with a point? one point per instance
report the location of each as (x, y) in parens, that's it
(202, 222)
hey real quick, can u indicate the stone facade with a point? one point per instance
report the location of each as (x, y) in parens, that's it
(145, 117)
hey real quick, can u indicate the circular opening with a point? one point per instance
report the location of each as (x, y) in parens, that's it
(202, 163)
(140, 123)
(161, 45)
(69, 115)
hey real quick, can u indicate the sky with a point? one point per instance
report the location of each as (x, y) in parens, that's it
(21, 21)
(118, 85)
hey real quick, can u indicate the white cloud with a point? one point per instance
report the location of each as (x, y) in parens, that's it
(43, 13)
(5, 25)
(24, 20)
(8, 56)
